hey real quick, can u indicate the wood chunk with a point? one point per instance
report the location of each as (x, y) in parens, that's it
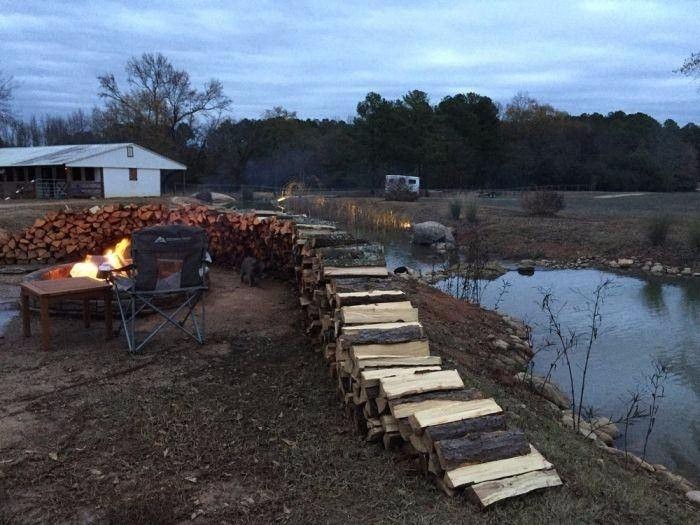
(364, 271)
(379, 313)
(481, 448)
(439, 483)
(388, 362)
(370, 377)
(490, 492)
(389, 423)
(414, 403)
(381, 333)
(393, 387)
(407, 349)
(369, 297)
(456, 412)
(461, 428)
(417, 443)
(360, 284)
(503, 468)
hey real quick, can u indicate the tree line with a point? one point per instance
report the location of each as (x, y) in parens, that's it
(462, 141)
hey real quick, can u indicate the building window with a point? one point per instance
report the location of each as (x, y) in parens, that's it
(129, 151)
(75, 174)
(89, 174)
(133, 174)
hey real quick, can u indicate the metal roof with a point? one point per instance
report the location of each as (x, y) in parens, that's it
(62, 155)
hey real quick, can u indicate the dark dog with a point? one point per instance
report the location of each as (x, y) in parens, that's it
(252, 270)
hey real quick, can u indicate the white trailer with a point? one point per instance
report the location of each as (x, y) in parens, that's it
(393, 182)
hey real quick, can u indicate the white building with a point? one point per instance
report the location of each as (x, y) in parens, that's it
(85, 170)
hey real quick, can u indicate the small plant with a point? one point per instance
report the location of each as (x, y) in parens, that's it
(400, 192)
(694, 236)
(471, 212)
(657, 229)
(456, 208)
(543, 203)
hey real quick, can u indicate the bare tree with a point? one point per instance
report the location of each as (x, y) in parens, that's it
(7, 86)
(160, 95)
(691, 66)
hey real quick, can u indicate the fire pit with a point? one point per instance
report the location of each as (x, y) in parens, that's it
(116, 257)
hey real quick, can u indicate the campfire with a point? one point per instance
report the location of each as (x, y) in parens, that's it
(117, 257)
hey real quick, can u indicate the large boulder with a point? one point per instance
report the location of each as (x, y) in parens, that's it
(431, 232)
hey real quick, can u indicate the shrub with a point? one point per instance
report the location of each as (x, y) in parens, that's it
(400, 192)
(471, 212)
(540, 202)
(694, 235)
(657, 229)
(456, 208)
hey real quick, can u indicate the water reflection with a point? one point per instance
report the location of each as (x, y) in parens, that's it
(645, 319)
(652, 294)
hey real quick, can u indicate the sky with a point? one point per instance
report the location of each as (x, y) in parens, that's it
(320, 58)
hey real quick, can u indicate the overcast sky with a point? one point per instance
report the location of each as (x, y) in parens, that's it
(320, 58)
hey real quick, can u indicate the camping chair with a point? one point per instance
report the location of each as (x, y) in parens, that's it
(169, 266)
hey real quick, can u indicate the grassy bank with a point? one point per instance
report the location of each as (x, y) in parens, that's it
(591, 225)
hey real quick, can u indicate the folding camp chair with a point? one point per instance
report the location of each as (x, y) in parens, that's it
(167, 276)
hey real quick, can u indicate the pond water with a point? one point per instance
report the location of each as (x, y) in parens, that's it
(643, 319)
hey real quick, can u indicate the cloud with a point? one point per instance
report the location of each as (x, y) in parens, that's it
(320, 58)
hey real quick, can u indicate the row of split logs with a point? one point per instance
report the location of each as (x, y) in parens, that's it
(396, 392)
(64, 236)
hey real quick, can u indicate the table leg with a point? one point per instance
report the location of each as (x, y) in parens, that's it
(86, 312)
(45, 325)
(108, 314)
(26, 316)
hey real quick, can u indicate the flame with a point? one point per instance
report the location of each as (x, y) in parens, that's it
(115, 258)
(406, 225)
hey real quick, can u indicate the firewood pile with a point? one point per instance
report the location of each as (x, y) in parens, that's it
(395, 391)
(71, 235)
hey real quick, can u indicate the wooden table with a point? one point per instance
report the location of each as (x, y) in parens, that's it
(84, 288)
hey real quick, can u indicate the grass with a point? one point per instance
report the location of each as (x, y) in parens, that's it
(350, 213)
(658, 228)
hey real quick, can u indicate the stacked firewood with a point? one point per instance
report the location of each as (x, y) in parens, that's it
(394, 390)
(71, 235)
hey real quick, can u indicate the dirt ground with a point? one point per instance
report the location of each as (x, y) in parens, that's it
(248, 429)
(591, 225)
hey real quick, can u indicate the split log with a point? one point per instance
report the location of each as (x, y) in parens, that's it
(481, 448)
(400, 312)
(376, 351)
(502, 468)
(336, 238)
(490, 492)
(456, 411)
(370, 297)
(360, 284)
(462, 428)
(371, 377)
(389, 362)
(382, 333)
(406, 405)
(365, 271)
(393, 387)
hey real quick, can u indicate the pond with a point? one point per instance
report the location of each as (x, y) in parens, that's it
(643, 319)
